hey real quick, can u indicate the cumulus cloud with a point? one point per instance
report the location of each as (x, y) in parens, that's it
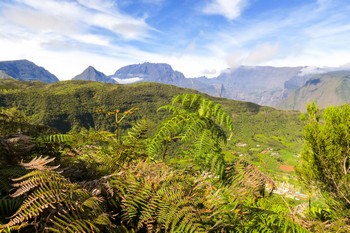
(65, 36)
(70, 17)
(310, 70)
(317, 70)
(235, 59)
(230, 9)
(262, 53)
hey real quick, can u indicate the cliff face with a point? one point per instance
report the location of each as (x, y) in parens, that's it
(327, 89)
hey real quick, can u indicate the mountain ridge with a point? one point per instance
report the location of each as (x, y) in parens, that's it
(27, 71)
(263, 85)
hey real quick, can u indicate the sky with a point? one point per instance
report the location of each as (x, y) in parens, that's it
(196, 37)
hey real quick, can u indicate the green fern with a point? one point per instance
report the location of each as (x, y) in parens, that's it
(55, 202)
(138, 131)
(192, 115)
(155, 198)
(8, 206)
(55, 138)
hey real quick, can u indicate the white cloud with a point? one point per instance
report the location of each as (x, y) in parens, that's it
(230, 9)
(67, 36)
(66, 17)
(128, 80)
(99, 5)
(310, 70)
(35, 21)
(262, 53)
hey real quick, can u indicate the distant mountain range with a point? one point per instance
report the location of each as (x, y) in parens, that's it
(281, 87)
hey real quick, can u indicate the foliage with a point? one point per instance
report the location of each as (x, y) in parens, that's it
(197, 124)
(47, 104)
(109, 183)
(325, 157)
(54, 203)
(155, 198)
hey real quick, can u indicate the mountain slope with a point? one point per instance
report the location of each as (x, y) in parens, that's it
(327, 89)
(27, 71)
(4, 75)
(73, 105)
(263, 85)
(91, 74)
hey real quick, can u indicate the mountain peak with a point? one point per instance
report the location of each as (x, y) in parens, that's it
(90, 68)
(26, 70)
(151, 72)
(91, 74)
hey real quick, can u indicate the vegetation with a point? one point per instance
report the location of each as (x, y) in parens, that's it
(260, 128)
(194, 164)
(325, 161)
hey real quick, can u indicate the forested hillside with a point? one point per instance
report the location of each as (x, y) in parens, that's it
(73, 105)
(157, 158)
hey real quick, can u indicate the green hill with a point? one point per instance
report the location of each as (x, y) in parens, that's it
(72, 105)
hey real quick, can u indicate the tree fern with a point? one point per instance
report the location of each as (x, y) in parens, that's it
(192, 115)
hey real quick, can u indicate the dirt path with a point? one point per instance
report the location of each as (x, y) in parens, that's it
(287, 168)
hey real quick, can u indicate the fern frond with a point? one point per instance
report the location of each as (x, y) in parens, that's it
(55, 138)
(138, 131)
(192, 114)
(165, 134)
(250, 177)
(33, 179)
(57, 203)
(39, 163)
(193, 127)
(8, 206)
(16, 228)
(155, 197)
(267, 221)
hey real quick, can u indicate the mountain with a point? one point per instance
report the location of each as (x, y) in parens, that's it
(27, 71)
(264, 85)
(331, 88)
(151, 72)
(91, 74)
(280, 87)
(73, 105)
(4, 75)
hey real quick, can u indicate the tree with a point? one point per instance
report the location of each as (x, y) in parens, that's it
(326, 156)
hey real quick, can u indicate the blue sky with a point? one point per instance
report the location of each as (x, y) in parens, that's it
(196, 37)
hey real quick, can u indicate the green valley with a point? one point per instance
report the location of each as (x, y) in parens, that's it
(134, 149)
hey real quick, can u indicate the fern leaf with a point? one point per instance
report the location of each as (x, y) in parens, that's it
(50, 196)
(55, 138)
(39, 163)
